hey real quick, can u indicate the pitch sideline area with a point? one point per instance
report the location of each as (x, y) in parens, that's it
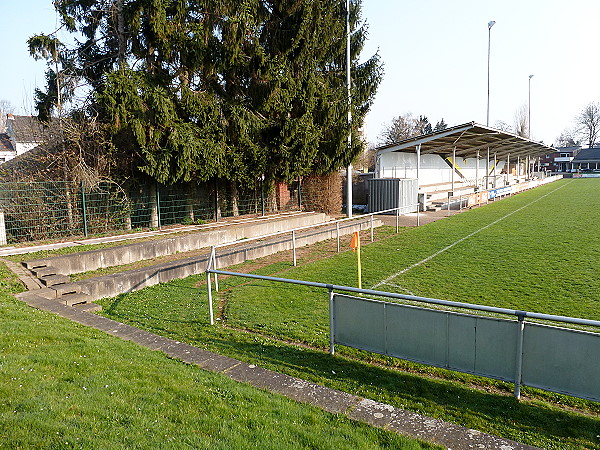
(448, 247)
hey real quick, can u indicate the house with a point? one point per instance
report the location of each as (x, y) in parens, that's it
(23, 133)
(7, 151)
(560, 161)
(587, 160)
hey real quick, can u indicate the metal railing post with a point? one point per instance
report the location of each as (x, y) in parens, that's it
(294, 245)
(397, 219)
(85, 224)
(519, 362)
(371, 227)
(214, 264)
(209, 286)
(331, 323)
(337, 230)
(418, 208)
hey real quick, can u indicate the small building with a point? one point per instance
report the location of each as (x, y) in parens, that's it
(587, 160)
(561, 160)
(7, 151)
(23, 133)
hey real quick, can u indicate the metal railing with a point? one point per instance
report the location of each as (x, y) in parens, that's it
(584, 389)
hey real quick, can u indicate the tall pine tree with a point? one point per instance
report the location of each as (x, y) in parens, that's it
(235, 89)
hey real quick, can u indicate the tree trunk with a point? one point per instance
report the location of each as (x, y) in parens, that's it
(153, 203)
(189, 204)
(234, 198)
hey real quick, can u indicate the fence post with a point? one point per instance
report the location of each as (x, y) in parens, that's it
(294, 245)
(519, 362)
(337, 230)
(262, 194)
(397, 219)
(158, 203)
(216, 201)
(418, 220)
(331, 324)
(371, 227)
(85, 224)
(2, 229)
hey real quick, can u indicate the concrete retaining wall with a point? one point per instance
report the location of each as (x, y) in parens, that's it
(133, 280)
(127, 254)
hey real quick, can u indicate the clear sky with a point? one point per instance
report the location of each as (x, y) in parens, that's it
(435, 56)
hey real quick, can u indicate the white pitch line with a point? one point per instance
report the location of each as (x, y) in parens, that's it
(417, 264)
(401, 287)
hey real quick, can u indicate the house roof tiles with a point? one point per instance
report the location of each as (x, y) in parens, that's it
(25, 128)
(588, 155)
(5, 143)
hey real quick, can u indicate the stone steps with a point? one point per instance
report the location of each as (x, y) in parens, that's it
(59, 287)
(53, 280)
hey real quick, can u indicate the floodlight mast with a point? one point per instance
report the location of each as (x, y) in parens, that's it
(487, 122)
(490, 25)
(348, 85)
(529, 105)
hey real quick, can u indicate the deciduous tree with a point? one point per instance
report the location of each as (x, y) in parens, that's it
(588, 123)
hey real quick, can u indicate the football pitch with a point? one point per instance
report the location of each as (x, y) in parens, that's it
(537, 251)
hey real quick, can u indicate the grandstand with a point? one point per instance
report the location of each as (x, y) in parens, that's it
(461, 160)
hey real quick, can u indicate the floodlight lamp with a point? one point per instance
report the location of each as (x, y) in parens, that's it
(530, 76)
(491, 24)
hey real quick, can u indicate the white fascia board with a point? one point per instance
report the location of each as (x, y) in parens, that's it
(431, 137)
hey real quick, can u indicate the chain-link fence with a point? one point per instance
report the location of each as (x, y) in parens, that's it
(35, 211)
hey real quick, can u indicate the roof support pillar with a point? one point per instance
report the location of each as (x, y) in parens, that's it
(418, 148)
(507, 182)
(495, 164)
(518, 166)
(477, 172)
(487, 169)
(453, 167)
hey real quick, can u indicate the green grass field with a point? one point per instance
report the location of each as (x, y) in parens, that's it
(535, 251)
(66, 386)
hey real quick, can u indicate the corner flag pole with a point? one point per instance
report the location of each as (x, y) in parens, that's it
(355, 245)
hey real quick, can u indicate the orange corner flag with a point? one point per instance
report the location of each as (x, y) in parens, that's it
(355, 242)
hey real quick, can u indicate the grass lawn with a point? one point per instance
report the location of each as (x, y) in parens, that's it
(535, 251)
(63, 385)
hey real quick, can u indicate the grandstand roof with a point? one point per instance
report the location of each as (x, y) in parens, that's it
(468, 139)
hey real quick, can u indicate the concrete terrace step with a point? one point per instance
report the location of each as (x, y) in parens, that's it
(133, 252)
(35, 264)
(74, 299)
(133, 280)
(44, 271)
(67, 288)
(52, 280)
